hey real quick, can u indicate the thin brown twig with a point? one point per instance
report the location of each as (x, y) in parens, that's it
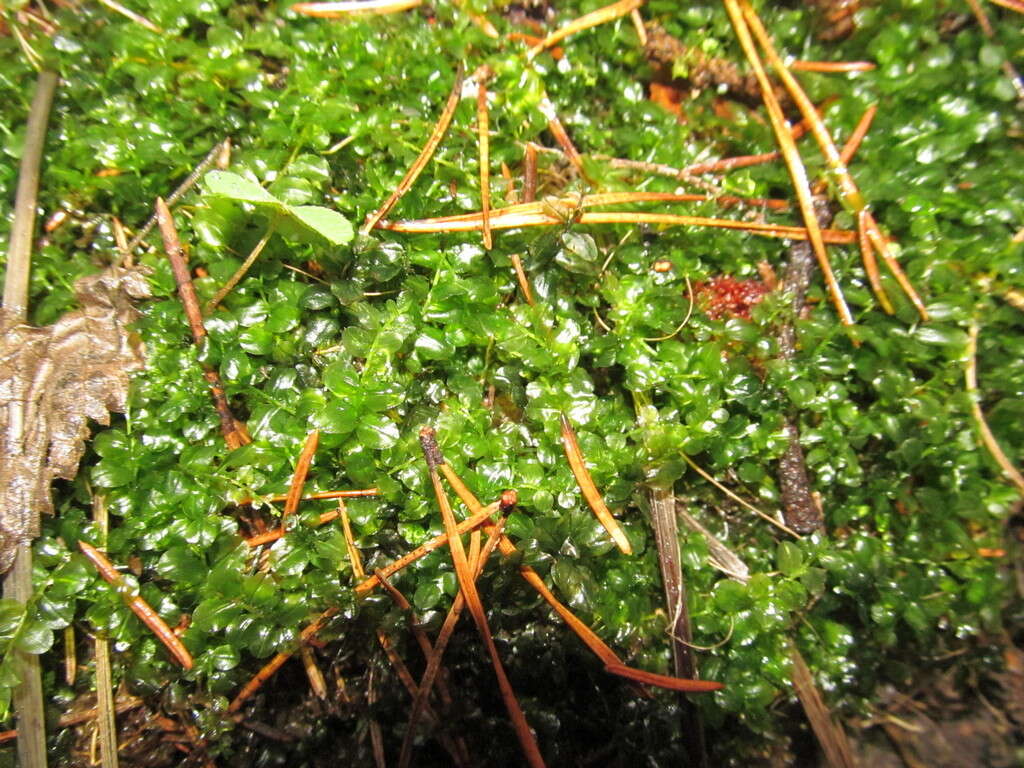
(233, 431)
(138, 606)
(299, 477)
(440, 128)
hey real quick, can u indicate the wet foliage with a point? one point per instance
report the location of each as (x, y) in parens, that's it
(369, 338)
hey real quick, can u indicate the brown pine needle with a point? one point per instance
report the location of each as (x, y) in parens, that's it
(278, 661)
(797, 172)
(436, 654)
(291, 502)
(562, 136)
(587, 20)
(989, 439)
(239, 273)
(857, 137)
(483, 137)
(313, 673)
(529, 195)
(663, 681)
(588, 489)
(337, 10)
(849, 193)
(139, 607)
(279, 533)
(832, 66)
(476, 609)
(468, 524)
(425, 154)
(354, 557)
(507, 548)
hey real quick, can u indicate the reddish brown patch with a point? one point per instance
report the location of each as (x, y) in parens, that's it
(729, 297)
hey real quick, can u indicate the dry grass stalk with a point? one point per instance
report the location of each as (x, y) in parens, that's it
(589, 490)
(440, 128)
(989, 439)
(830, 735)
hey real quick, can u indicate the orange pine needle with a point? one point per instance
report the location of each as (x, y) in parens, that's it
(139, 607)
(350, 543)
(797, 172)
(663, 681)
(279, 533)
(476, 609)
(501, 220)
(587, 20)
(531, 577)
(483, 134)
(313, 673)
(867, 255)
(589, 490)
(425, 154)
(832, 66)
(859, 132)
(438, 541)
(1011, 5)
(278, 661)
(291, 502)
(436, 654)
(849, 192)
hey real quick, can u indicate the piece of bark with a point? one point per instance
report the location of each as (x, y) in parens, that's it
(52, 381)
(799, 509)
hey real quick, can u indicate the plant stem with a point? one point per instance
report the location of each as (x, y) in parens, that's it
(28, 696)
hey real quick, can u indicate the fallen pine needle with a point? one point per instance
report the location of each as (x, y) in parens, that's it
(316, 678)
(275, 663)
(663, 681)
(589, 490)
(483, 134)
(587, 20)
(440, 128)
(531, 577)
(831, 66)
(356, 494)
(830, 734)
(436, 654)
(337, 10)
(354, 557)
(139, 607)
(989, 439)
(279, 533)
(468, 524)
(501, 220)
(850, 195)
(797, 172)
(291, 502)
(467, 585)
